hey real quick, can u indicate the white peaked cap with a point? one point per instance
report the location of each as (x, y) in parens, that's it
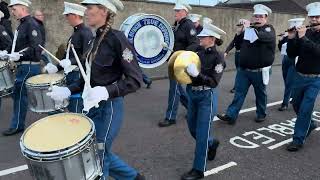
(113, 5)
(207, 20)
(194, 17)
(211, 30)
(313, 9)
(260, 9)
(182, 4)
(71, 8)
(296, 22)
(20, 2)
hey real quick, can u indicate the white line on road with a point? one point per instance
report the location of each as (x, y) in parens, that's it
(220, 168)
(13, 170)
(318, 129)
(252, 109)
(280, 144)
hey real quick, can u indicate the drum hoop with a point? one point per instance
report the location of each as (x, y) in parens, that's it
(6, 65)
(66, 152)
(31, 85)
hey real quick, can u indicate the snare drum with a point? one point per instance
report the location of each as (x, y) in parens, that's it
(37, 88)
(6, 79)
(151, 36)
(61, 147)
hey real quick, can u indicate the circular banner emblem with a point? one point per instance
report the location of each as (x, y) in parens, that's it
(151, 36)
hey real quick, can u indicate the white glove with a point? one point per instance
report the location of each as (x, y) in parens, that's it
(3, 54)
(59, 93)
(14, 56)
(93, 96)
(192, 70)
(50, 68)
(65, 63)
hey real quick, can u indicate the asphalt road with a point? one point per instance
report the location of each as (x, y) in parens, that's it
(248, 150)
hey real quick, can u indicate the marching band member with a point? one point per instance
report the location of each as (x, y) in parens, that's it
(5, 42)
(236, 43)
(256, 57)
(27, 56)
(195, 18)
(80, 38)
(288, 65)
(203, 96)
(112, 71)
(185, 38)
(305, 44)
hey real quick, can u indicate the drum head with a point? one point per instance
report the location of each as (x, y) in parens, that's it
(151, 37)
(56, 132)
(45, 78)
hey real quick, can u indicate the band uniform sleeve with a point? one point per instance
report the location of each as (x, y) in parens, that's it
(5, 40)
(132, 73)
(192, 39)
(34, 37)
(293, 48)
(231, 45)
(266, 34)
(216, 72)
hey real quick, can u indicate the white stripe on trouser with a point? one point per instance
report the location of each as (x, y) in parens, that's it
(174, 99)
(77, 106)
(105, 138)
(21, 95)
(209, 127)
(304, 137)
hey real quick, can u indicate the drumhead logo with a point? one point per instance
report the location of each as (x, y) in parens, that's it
(147, 35)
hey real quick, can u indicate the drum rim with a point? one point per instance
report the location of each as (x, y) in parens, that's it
(165, 22)
(60, 81)
(62, 152)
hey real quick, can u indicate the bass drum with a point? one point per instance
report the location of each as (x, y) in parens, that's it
(151, 36)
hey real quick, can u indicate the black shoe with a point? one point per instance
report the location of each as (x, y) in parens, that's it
(233, 90)
(166, 123)
(149, 85)
(139, 177)
(192, 175)
(292, 147)
(259, 120)
(213, 150)
(311, 129)
(283, 108)
(10, 132)
(226, 118)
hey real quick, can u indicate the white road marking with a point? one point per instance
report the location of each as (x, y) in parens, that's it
(13, 170)
(220, 168)
(280, 144)
(317, 129)
(252, 109)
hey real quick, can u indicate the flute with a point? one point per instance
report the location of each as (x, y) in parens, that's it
(308, 27)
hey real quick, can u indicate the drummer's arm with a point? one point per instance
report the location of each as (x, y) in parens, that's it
(132, 73)
(192, 40)
(33, 52)
(76, 86)
(6, 42)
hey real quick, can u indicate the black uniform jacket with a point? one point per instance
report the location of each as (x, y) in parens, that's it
(115, 65)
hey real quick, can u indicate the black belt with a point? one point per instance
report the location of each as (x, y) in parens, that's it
(200, 88)
(254, 70)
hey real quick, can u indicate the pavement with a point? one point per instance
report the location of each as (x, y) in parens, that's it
(248, 150)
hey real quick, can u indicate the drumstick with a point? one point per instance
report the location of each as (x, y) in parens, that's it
(165, 45)
(14, 41)
(80, 65)
(48, 52)
(68, 50)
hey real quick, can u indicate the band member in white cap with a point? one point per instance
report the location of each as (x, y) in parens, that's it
(112, 71)
(185, 38)
(256, 57)
(26, 54)
(236, 43)
(195, 18)
(288, 65)
(203, 99)
(305, 44)
(80, 39)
